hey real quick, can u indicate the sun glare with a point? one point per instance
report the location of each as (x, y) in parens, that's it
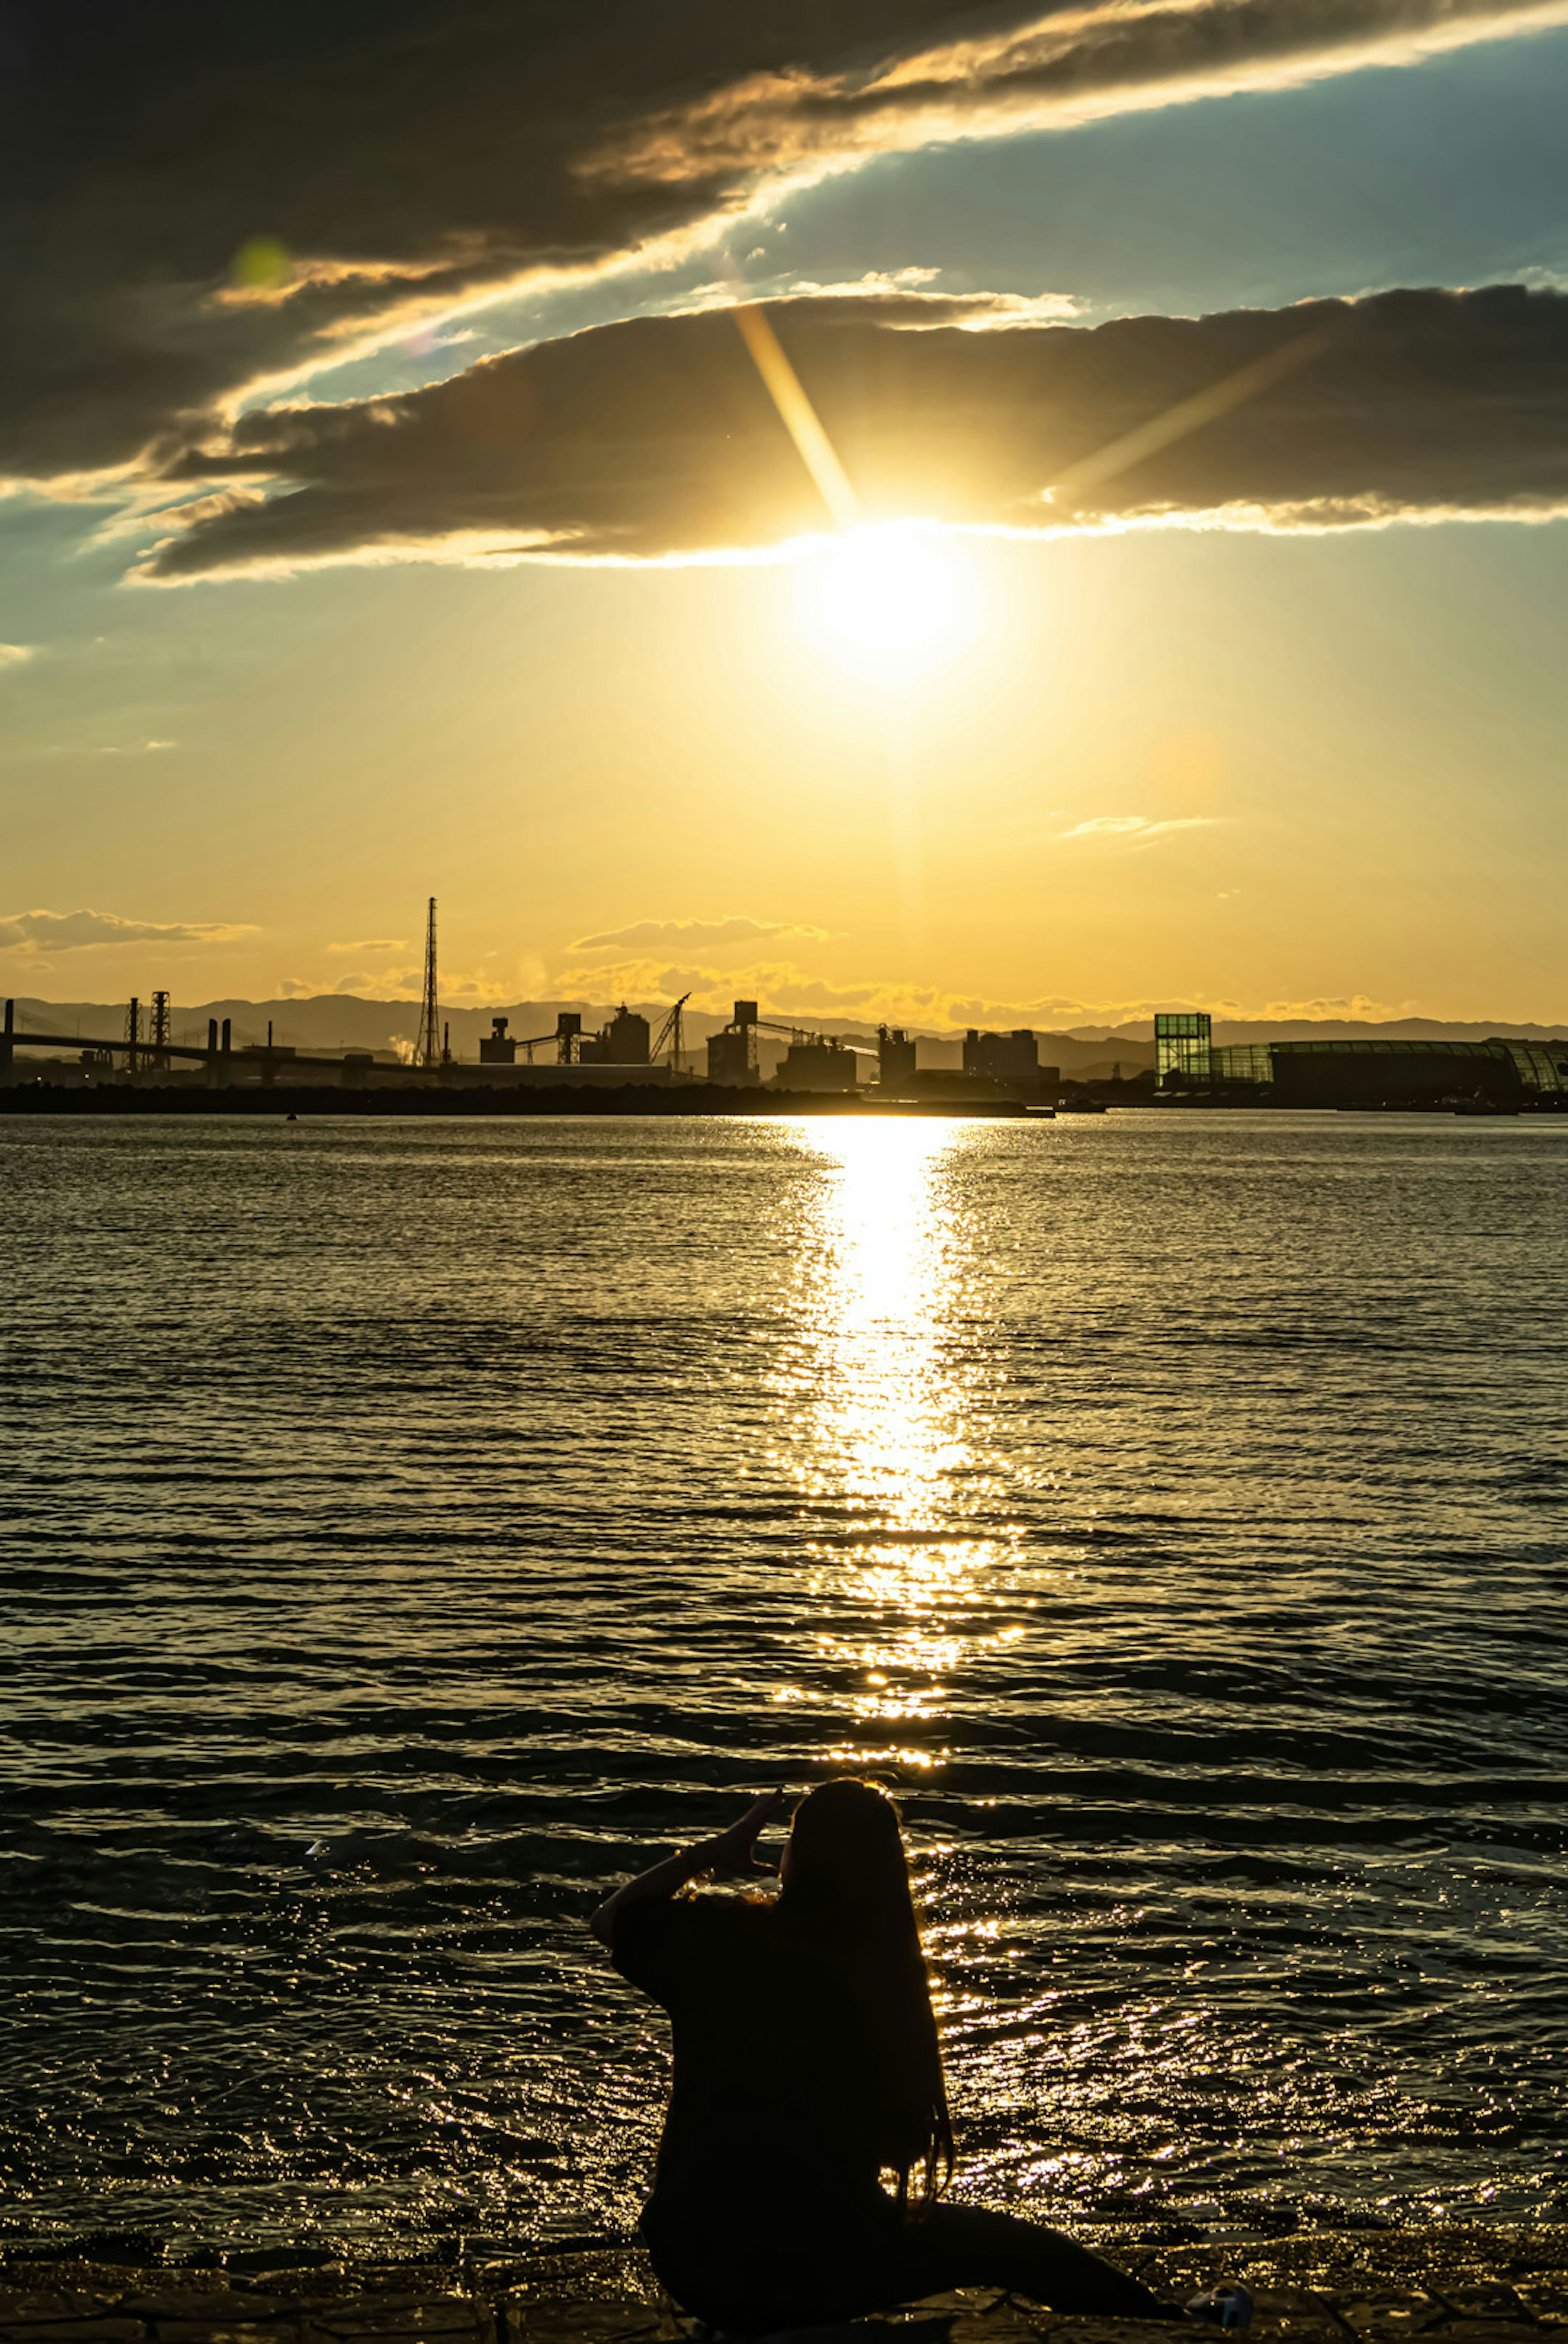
(886, 594)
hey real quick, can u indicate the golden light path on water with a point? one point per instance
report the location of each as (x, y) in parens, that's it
(887, 1451)
(923, 1581)
(918, 1578)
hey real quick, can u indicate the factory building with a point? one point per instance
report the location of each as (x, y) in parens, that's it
(816, 1066)
(732, 1054)
(732, 1058)
(895, 1058)
(624, 1042)
(1541, 1066)
(1379, 1072)
(1371, 1070)
(618, 1052)
(1182, 1043)
(1012, 1058)
(1241, 1061)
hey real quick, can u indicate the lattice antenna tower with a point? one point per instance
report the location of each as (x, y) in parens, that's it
(160, 1034)
(427, 1049)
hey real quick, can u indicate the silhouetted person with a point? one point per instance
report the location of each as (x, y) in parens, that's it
(807, 2065)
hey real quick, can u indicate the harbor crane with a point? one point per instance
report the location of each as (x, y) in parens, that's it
(670, 1032)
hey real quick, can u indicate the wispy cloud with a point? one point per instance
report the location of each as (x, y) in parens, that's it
(1137, 826)
(698, 936)
(920, 307)
(392, 984)
(373, 944)
(147, 748)
(460, 988)
(15, 654)
(1070, 65)
(53, 932)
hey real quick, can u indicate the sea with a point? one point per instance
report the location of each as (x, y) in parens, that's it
(413, 1530)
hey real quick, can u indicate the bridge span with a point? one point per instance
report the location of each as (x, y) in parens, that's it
(220, 1057)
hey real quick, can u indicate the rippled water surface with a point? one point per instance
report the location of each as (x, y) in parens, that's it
(407, 1528)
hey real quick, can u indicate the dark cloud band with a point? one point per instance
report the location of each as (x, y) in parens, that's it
(657, 439)
(408, 152)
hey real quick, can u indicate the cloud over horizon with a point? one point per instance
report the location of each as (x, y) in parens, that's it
(794, 994)
(199, 203)
(52, 932)
(698, 935)
(655, 439)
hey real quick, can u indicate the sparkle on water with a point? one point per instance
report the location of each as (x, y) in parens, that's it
(887, 1442)
(413, 1526)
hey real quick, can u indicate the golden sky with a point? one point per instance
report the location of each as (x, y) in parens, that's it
(378, 530)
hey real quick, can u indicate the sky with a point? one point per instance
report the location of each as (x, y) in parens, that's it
(1136, 579)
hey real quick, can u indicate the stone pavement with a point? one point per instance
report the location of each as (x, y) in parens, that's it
(1459, 2284)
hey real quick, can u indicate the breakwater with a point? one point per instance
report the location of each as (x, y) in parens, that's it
(422, 1099)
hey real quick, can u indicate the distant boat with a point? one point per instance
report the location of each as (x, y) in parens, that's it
(1484, 1106)
(1041, 1114)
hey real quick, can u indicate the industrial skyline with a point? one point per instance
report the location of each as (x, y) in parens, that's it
(1498, 1074)
(746, 1034)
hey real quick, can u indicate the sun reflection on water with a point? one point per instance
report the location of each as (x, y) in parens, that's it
(881, 1431)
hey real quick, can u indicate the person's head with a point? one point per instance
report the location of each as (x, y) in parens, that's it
(844, 1881)
(845, 1861)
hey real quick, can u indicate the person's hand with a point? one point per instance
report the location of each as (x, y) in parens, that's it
(735, 1850)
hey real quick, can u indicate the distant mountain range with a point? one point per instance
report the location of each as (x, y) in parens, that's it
(332, 1021)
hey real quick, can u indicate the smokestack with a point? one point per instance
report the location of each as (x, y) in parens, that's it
(227, 1037)
(211, 1035)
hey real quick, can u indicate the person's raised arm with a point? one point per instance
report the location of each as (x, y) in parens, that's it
(730, 1851)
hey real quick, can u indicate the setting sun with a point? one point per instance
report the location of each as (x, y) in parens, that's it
(887, 592)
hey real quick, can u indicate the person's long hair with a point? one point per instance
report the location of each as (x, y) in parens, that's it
(847, 1895)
